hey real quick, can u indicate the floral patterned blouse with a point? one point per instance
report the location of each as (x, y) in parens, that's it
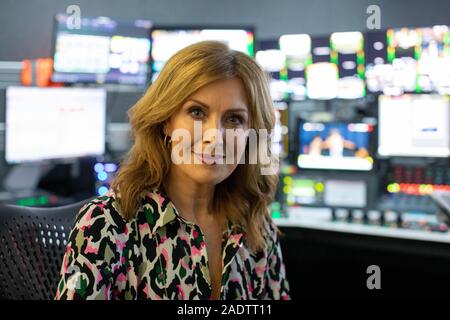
(160, 255)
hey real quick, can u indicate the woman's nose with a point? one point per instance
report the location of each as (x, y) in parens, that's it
(213, 131)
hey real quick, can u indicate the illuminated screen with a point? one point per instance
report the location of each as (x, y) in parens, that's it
(101, 50)
(166, 42)
(302, 190)
(347, 52)
(322, 80)
(433, 65)
(273, 61)
(414, 125)
(409, 60)
(297, 49)
(391, 64)
(334, 145)
(54, 123)
(402, 44)
(321, 75)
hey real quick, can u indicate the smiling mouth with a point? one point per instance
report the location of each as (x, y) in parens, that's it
(209, 160)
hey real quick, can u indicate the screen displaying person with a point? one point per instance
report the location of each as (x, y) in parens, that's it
(336, 144)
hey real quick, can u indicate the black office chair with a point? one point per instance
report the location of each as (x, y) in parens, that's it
(32, 245)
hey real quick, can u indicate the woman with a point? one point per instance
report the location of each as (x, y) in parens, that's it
(171, 229)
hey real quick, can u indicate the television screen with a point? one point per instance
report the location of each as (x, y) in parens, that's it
(167, 41)
(101, 50)
(334, 145)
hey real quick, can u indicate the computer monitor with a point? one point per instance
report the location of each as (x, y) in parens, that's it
(335, 145)
(101, 50)
(54, 123)
(166, 41)
(414, 125)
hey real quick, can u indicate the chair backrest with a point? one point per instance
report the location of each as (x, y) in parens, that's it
(32, 245)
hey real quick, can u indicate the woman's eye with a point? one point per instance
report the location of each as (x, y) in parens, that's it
(196, 112)
(236, 120)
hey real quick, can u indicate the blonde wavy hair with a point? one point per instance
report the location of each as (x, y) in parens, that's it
(245, 195)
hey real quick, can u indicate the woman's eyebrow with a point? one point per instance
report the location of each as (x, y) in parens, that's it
(228, 110)
(237, 110)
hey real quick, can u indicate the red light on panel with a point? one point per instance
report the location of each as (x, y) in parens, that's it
(416, 189)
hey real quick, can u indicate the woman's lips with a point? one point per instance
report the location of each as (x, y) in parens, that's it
(208, 159)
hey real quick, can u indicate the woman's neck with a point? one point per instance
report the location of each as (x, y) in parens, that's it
(192, 200)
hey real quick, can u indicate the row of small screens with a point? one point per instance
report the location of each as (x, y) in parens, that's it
(346, 64)
(342, 65)
(410, 125)
(55, 123)
(103, 50)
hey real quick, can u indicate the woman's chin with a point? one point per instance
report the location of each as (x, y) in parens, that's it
(208, 176)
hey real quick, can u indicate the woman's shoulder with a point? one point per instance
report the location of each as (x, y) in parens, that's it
(102, 212)
(153, 204)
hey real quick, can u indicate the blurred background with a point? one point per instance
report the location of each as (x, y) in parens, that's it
(361, 93)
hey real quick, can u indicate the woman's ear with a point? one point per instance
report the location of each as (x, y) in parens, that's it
(166, 128)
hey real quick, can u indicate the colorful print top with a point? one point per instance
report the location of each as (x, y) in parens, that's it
(160, 255)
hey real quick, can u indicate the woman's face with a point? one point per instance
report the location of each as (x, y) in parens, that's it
(199, 132)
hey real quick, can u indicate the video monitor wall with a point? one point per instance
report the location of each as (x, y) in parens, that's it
(335, 145)
(321, 67)
(167, 41)
(286, 60)
(101, 50)
(348, 65)
(405, 60)
(414, 125)
(54, 123)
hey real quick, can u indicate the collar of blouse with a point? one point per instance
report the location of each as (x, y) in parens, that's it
(232, 239)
